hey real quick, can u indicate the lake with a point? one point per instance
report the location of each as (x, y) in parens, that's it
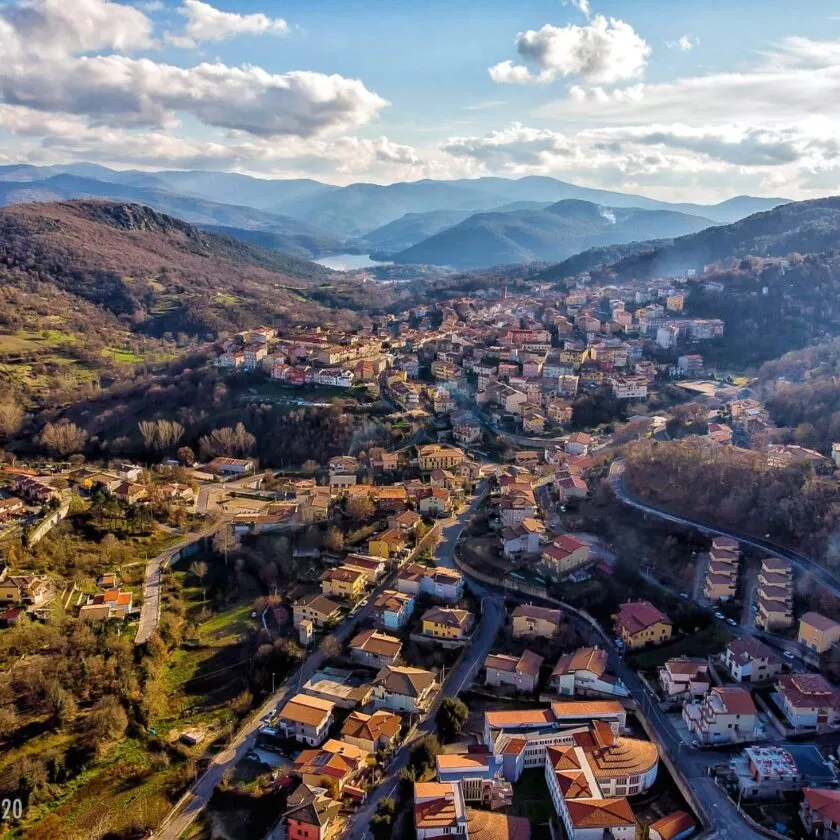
(349, 262)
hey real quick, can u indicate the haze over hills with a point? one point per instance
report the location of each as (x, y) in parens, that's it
(291, 235)
(805, 227)
(560, 230)
(334, 217)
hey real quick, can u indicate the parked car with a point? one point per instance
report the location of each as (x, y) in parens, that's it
(732, 622)
(789, 655)
(720, 616)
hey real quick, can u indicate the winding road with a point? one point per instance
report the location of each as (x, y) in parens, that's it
(188, 808)
(800, 561)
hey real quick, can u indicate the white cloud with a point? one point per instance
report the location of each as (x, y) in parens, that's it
(685, 43)
(581, 5)
(46, 67)
(44, 27)
(485, 105)
(605, 51)
(206, 23)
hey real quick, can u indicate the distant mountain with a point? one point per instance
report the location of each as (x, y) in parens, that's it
(354, 210)
(558, 231)
(412, 228)
(415, 227)
(300, 239)
(232, 188)
(806, 227)
(351, 211)
(305, 242)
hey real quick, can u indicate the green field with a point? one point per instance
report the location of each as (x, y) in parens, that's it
(712, 639)
(32, 341)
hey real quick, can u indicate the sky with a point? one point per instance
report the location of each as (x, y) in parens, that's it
(674, 99)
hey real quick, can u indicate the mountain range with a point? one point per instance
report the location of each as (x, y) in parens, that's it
(552, 233)
(807, 227)
(308, 218)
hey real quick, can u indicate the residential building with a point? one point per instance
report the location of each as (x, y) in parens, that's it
(370, 647)
(392, 609)
(316, 608)
(809, 701)
(578, 443)
(439, 810)
(344, 582)
(447, 623)
(531, 621)
(584, 673)
(387, 543)
(435, 456)
(522, 538)
(520, 672)
(343, 688)
(478, 772)
(684, 678)
(375, 732)
(437, 503)
(334, 766)
(109, 604)
(677, 825)
(766, 772)
(639, 624)
(775, 594)
(820, 813)
(725, 715)
(690, 365)
(25, 590)
(749, 660)
(372, 567)
(818, 633)
(566, 553)
(232, 466)
(306, 719)
(444, 584)
(311, 814)
(404, 689)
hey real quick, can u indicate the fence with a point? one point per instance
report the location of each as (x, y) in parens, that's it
(49, 522)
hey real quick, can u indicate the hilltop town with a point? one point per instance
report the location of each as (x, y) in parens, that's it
(468, 631)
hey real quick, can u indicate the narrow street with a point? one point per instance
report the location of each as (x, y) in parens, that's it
(493, 615)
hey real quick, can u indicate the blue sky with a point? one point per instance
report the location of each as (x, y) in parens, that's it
(678, 100)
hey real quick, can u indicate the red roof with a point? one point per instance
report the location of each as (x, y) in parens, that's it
(634, 616)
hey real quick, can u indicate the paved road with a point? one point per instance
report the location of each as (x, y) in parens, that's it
(152, 583)
(805, 564)
(196, 799)
(493, 616)
(693, 763)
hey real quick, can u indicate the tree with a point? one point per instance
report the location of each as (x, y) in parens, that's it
(360, 508)
(63, 438)
(106, 723)
(451, 718)
(310, 466)
(199, 569)
(331, 647)
(225, 540)
(334, 540)
(382, 822)
(186, 456)
(11, 419)
(423, 755)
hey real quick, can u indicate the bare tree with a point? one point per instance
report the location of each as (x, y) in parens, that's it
(225, 540)
(11, 419)
(199, 569)
(63, 438)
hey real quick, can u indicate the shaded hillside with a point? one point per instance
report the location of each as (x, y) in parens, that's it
(303, 245)
(555, 232)
(805, 227)
(160, 272)
(191, 209)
